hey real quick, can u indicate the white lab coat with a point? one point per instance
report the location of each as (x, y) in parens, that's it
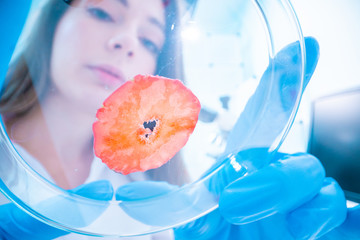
(98, 171)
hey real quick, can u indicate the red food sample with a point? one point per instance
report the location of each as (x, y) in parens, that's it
(144, 123)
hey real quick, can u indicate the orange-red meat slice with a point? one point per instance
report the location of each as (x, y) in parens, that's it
(144, 123)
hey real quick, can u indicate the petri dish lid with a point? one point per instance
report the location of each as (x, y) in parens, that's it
(226, 52)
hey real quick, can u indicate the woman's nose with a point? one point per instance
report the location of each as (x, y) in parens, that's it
(124, 43)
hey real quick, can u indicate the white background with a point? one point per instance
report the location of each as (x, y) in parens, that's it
(336, 25)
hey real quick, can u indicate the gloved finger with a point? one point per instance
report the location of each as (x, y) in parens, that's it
(278, 188)
(321, 214)
(14, 12)
(100, 190)
(172, 205)
(17, 224)
(211, 226)
(143, 200)
(350, 229)
(288, 59)
(236, 166)
(275, 96)
(139, 190)
(351, 226)
(73, 211)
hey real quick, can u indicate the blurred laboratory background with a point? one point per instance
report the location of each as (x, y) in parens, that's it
(328, 122)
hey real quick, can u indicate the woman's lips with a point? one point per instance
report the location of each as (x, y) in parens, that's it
(108, 76)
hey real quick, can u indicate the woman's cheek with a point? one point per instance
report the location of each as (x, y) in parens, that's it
(146, 63)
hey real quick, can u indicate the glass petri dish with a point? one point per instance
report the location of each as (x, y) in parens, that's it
(229, 53)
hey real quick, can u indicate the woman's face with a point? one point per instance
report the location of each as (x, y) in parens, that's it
(100, 44)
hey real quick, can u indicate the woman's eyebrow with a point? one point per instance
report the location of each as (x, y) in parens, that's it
(125, 3)
(152, 20)
(157, 23)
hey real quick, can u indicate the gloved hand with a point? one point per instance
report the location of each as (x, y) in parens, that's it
(17, 224)
(290, 198)
(322, 217)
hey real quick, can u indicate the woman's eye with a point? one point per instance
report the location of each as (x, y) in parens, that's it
(150, 45)
(100, 14)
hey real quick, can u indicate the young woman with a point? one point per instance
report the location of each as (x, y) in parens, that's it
(75, 56)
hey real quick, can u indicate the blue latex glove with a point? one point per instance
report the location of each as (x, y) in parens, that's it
(349, 230)
(290, 198)
(278, 90)
(16, 224)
